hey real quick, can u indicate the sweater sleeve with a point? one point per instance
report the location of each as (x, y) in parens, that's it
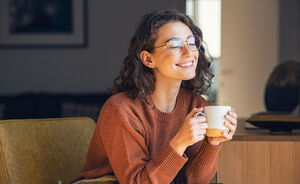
(202, 158)
(202, 164)
(125, 145)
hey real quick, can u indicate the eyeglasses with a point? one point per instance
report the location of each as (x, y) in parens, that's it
(175, 45)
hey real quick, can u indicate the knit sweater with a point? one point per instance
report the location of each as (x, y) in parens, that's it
(131, 140)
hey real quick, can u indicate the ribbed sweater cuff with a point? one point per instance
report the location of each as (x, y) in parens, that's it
(169, 161)
(208, 153)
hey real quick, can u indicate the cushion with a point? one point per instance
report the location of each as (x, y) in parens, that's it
(44, 151)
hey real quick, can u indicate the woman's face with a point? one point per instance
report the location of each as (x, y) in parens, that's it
(167, 65)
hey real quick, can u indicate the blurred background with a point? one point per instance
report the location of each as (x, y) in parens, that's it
(246, 38)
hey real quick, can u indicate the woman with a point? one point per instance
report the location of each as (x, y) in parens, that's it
(147, 131)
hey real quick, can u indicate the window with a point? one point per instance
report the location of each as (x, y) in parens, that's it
(207, 15)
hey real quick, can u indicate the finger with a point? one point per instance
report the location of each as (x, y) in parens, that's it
(200, 126)
(191, 114)
(198, 138)
(203, 125)
(230, 127)
(198, 119)
(233, 113)
(227, 136)
(199, 114)
(194, 111)
(198, 132)
(231, 119)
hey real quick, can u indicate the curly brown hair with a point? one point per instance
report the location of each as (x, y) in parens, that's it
(138, 80)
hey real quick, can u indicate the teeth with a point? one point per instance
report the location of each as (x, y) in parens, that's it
(185, 65)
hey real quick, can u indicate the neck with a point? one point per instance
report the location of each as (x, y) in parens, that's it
(164, 96)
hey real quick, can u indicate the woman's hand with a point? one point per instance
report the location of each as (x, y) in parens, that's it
(192, 131)
(231, 116)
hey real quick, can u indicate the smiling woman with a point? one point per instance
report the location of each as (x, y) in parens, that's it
(137, 77)
(147, 131)
(176, 57)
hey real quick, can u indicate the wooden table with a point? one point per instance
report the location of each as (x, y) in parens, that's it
(255, 156)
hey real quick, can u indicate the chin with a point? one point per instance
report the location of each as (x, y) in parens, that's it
(189, 77)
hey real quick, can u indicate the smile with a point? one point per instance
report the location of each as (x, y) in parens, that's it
(185, 64)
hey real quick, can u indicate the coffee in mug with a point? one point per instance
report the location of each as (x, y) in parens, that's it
(215, 117)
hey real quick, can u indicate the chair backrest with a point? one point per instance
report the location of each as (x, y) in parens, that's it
(48, 151)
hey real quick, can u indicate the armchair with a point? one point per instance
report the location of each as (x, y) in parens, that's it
(48, 151)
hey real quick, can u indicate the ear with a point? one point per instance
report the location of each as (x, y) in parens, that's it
(146, 58)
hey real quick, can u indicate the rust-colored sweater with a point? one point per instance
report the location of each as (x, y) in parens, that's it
(131, 140)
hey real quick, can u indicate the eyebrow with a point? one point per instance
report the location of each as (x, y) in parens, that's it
(175, 38)
(169, 40)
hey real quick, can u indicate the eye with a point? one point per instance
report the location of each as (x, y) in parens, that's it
(175, 43)
(194, 42)
(191, 40)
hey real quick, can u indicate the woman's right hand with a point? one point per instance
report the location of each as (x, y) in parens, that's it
(192, 131)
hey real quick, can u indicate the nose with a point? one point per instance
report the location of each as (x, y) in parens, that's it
(186, 51)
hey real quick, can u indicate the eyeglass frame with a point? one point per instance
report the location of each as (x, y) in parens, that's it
(185, 43)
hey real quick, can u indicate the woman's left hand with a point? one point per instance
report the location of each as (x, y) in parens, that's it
(231, 116)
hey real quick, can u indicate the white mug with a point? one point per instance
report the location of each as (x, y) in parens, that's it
(215, 117)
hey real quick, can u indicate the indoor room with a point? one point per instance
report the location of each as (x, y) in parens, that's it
(58, 65)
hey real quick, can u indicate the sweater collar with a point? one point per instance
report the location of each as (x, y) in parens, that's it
(169, 115)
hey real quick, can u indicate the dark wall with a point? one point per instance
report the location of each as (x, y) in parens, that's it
(110, 26)
(289, 30)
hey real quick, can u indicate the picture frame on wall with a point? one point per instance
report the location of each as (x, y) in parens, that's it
(43, 23)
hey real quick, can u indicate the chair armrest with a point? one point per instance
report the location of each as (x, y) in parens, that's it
(107, 179)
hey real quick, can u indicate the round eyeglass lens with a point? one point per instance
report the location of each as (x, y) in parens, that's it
(194, 42)
(175, 45)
